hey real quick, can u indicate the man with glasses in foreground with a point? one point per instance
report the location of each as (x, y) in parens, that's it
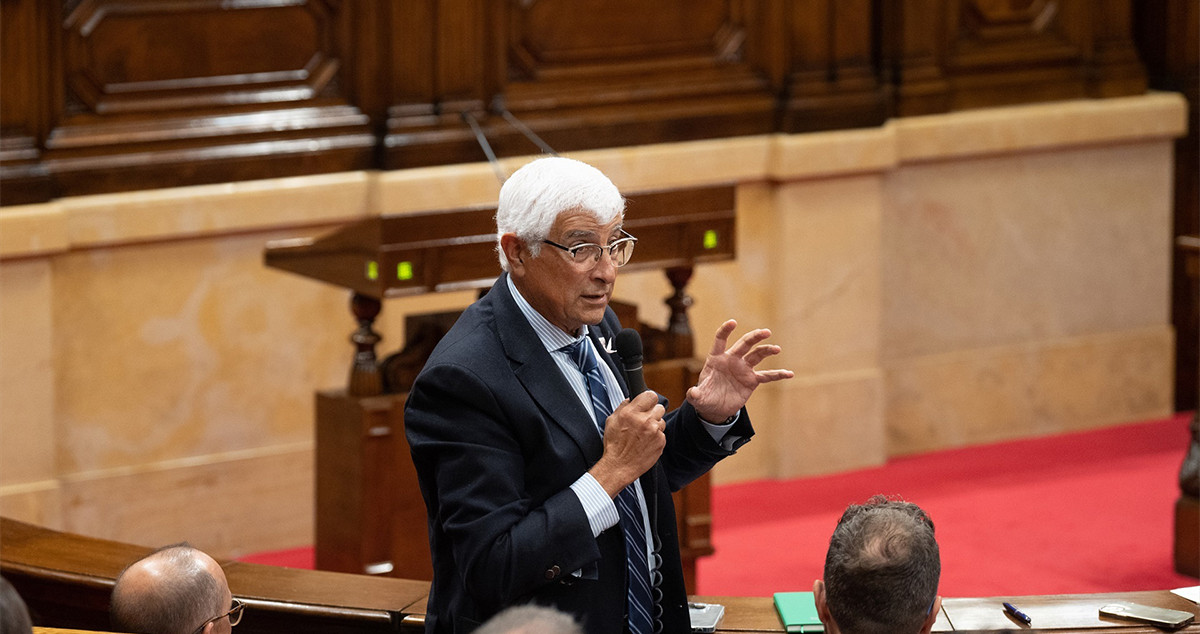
(544, 480)
(176, 589)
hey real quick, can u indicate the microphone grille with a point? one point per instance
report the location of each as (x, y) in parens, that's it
(628, 344)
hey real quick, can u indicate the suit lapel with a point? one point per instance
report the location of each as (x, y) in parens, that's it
(538, 372)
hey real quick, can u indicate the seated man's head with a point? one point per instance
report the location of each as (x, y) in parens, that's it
(881, 571)
(176, 589)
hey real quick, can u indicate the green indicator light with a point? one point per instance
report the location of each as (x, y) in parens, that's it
(710, 239)
(404, 271)
(372, 270)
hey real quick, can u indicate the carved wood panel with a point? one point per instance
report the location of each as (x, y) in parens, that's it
(146, 56)
(978, 53)
(588, 74)
(571, 36)
(146, 93)
(112, 95)
(834, 81)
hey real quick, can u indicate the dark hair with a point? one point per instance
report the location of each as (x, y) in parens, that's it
(188, 596)
(14, 616)
(882, 568)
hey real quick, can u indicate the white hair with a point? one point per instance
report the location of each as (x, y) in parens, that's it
(534, 196)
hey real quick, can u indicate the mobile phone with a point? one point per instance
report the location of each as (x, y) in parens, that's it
(705, 616)
(1147, 614)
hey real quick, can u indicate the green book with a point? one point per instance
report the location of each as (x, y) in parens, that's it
(798, 611)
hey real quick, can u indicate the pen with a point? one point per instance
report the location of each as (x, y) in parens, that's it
(1017, 614)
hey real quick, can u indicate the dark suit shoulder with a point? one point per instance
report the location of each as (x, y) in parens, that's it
(472, 337)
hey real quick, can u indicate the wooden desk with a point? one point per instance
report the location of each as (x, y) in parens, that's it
(1060, 613)
(1055, 613)
(66, 579)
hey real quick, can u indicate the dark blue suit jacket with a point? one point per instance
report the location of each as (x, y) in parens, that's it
(497, 437)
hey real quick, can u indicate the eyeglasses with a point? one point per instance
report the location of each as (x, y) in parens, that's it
(235, 616)
(585, 256)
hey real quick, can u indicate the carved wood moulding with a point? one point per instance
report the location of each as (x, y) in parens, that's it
(112, 95)
(951, 55)
(134, 94)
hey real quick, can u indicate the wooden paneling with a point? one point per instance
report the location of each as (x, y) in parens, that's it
(955, 54)
(146, 56)
(113, 95)
(23, 52)
(130, 95)
(833, 81)
(370, 516)
(587, 74)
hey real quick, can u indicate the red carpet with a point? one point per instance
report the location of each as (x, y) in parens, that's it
(1083, 512)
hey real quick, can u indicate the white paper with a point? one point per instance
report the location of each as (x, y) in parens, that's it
(1191, 593)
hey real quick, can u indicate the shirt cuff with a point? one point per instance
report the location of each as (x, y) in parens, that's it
(600, 509)
(719, 432)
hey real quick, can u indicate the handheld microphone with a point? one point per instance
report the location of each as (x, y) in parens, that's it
(629, 347)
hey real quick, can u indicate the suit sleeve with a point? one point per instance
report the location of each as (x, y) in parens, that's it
(507, 521)
(691, 450)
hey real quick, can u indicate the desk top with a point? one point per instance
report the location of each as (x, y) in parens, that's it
(1058, 613)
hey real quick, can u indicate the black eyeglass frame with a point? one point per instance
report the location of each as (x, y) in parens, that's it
(611, 248)
(234, 614)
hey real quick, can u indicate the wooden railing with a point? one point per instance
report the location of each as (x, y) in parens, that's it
(66, 580)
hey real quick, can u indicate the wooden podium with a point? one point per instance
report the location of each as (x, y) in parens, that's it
(370, 517)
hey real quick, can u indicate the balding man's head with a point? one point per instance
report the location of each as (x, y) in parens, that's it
(173, 590)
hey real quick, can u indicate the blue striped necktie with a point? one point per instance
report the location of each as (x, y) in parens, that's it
(637, 567)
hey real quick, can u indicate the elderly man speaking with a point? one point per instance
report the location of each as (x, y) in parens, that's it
(544, 480)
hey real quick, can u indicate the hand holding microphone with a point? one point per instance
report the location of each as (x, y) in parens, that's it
(634, 435)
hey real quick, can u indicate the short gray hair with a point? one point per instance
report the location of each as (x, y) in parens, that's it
(882, 568)
(534, 196)
(531, 619)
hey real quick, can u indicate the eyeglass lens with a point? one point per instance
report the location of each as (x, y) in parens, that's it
(620, 251)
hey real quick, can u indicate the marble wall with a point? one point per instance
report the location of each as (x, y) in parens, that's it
(936, 282)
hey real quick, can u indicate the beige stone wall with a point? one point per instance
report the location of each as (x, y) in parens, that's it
(935, 282)
(1026, 294)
